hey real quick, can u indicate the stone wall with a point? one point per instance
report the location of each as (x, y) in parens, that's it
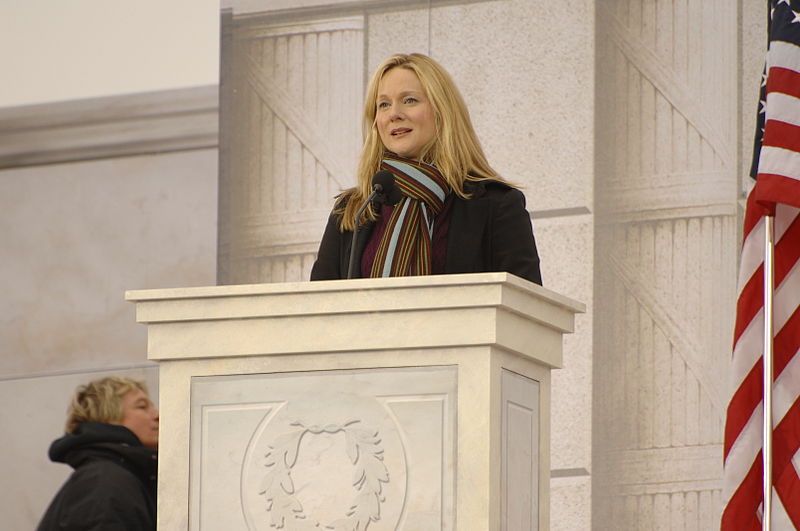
(96, 197)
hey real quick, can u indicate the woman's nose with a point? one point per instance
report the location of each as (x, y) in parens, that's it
(395, 114)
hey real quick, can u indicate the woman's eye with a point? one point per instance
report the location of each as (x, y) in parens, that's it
(410, 100)
(383, 104)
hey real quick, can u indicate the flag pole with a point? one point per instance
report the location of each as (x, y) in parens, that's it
(769, 281)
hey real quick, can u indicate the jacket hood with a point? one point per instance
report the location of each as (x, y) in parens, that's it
(90, 434)
(97, 440)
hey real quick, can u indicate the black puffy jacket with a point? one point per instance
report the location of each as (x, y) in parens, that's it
(113, 487)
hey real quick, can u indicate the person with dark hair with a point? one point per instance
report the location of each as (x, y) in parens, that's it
(111, 442)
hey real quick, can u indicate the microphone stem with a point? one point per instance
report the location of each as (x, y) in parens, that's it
(352, 265)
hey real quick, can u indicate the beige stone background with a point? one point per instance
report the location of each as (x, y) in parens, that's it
(628, 123)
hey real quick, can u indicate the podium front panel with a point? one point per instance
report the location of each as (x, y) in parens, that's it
(339, 449)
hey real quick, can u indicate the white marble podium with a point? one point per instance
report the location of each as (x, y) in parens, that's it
(416, 403)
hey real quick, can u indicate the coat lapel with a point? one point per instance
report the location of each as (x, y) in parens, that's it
(465, 237)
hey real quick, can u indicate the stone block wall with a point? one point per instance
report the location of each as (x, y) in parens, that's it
(96, 197)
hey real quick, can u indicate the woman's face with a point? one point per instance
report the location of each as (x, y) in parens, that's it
(141, 417)
(405, 117)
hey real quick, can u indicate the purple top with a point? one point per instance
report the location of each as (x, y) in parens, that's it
(441, 226)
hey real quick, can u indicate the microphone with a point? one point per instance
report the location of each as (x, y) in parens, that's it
(383, 191)
(388, 193)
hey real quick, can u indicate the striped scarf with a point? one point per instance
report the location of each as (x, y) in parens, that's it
(405, 247)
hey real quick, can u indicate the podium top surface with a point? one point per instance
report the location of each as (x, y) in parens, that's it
(484, 308)
(358, 285)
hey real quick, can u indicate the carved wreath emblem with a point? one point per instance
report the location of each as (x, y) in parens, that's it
(365, 452)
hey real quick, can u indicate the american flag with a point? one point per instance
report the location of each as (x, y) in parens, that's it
(776, 167)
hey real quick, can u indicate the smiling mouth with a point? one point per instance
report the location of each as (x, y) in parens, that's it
(398, 132)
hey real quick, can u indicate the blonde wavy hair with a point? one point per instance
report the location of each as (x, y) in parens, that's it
(100, 401)
(454, 150)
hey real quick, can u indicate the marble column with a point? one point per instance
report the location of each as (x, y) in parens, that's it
(666, 252)
(291, 101)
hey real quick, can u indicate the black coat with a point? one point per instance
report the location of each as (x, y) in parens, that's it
(113, 487)
(490, 231)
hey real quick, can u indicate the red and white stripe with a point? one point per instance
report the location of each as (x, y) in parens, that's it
(777, 191)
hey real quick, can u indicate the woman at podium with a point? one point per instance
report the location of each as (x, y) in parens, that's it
(427, 201)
